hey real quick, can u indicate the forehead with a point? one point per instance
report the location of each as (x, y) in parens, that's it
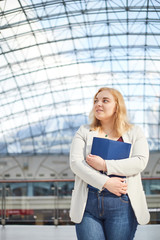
(105, 94)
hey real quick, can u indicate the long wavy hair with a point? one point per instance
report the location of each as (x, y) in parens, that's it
(121, 123)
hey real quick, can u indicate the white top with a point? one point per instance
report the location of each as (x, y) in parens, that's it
(130, 167)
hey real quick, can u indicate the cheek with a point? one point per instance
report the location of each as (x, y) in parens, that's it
(110, 110)
(113, 107)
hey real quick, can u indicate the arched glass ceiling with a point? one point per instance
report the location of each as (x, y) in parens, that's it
(54, 55)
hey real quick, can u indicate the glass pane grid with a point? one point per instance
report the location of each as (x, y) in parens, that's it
(54, 56)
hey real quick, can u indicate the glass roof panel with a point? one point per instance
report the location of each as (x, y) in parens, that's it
(55, 55)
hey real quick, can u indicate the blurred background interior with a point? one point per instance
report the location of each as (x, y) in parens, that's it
(54, 55)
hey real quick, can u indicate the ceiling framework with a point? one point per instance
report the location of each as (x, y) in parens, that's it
(54, 56)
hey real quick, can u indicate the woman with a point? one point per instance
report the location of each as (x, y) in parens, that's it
(106, 207)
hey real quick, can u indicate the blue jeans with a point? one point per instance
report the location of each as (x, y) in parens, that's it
(107, 217)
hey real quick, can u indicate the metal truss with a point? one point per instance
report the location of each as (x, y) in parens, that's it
(55, 54)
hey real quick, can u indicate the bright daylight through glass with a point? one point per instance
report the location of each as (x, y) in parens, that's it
(54, 55)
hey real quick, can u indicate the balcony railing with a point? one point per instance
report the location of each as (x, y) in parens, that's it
(47, 202)
(35, 202)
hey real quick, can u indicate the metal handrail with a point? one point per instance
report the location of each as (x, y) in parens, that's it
(55, 180)
(36, 180)
(5, 218)
(56, 195)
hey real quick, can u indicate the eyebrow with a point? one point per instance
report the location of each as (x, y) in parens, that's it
(106, 98)
(103, 98)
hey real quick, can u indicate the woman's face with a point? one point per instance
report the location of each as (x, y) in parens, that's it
(104, 106)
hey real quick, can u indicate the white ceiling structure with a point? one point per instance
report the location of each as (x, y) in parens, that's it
(55, 54)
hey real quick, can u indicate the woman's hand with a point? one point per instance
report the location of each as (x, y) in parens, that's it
(96, 162)
(116, 185)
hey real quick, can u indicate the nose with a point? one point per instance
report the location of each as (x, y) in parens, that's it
(99, 103)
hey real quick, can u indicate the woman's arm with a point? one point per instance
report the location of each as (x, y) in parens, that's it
(91, 176)
(125, 167)
(78, 163)
(138, 160)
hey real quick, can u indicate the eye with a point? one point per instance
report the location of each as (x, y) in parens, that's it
(105, 101)
(95, 100)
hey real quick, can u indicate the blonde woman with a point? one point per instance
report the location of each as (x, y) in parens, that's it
(103, 207)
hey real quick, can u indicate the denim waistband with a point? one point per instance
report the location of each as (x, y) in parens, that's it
(96, 189)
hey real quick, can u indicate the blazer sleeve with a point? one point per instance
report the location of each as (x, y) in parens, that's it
(78, 163)
(138, 159)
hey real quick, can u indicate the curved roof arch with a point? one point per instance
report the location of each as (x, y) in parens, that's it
(55, 55)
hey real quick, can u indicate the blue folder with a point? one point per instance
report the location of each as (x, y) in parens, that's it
(110, 149)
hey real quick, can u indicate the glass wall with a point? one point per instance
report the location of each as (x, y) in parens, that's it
(152, 191)
(33, 202)
(48, 202)
(151, 186)
(55, 55)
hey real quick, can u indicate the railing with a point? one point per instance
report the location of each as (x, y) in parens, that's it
(35, 202)
(47, 202)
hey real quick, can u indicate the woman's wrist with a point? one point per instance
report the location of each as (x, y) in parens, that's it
(104, 166)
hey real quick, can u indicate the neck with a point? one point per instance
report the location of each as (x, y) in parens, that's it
(107, 126)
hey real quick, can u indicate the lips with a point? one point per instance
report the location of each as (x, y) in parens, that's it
(99, 110)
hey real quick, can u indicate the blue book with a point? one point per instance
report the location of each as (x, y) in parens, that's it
(110, 149)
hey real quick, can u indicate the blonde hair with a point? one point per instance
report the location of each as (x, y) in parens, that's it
(121, 122)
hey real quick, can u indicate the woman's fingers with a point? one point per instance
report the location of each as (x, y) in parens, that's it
(117, 186)
(95, 161)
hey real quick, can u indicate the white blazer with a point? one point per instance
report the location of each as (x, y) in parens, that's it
(130, 167)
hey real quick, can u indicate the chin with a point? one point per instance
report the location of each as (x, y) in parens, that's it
(99, 118)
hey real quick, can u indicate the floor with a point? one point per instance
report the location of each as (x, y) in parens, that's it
(20, 232)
